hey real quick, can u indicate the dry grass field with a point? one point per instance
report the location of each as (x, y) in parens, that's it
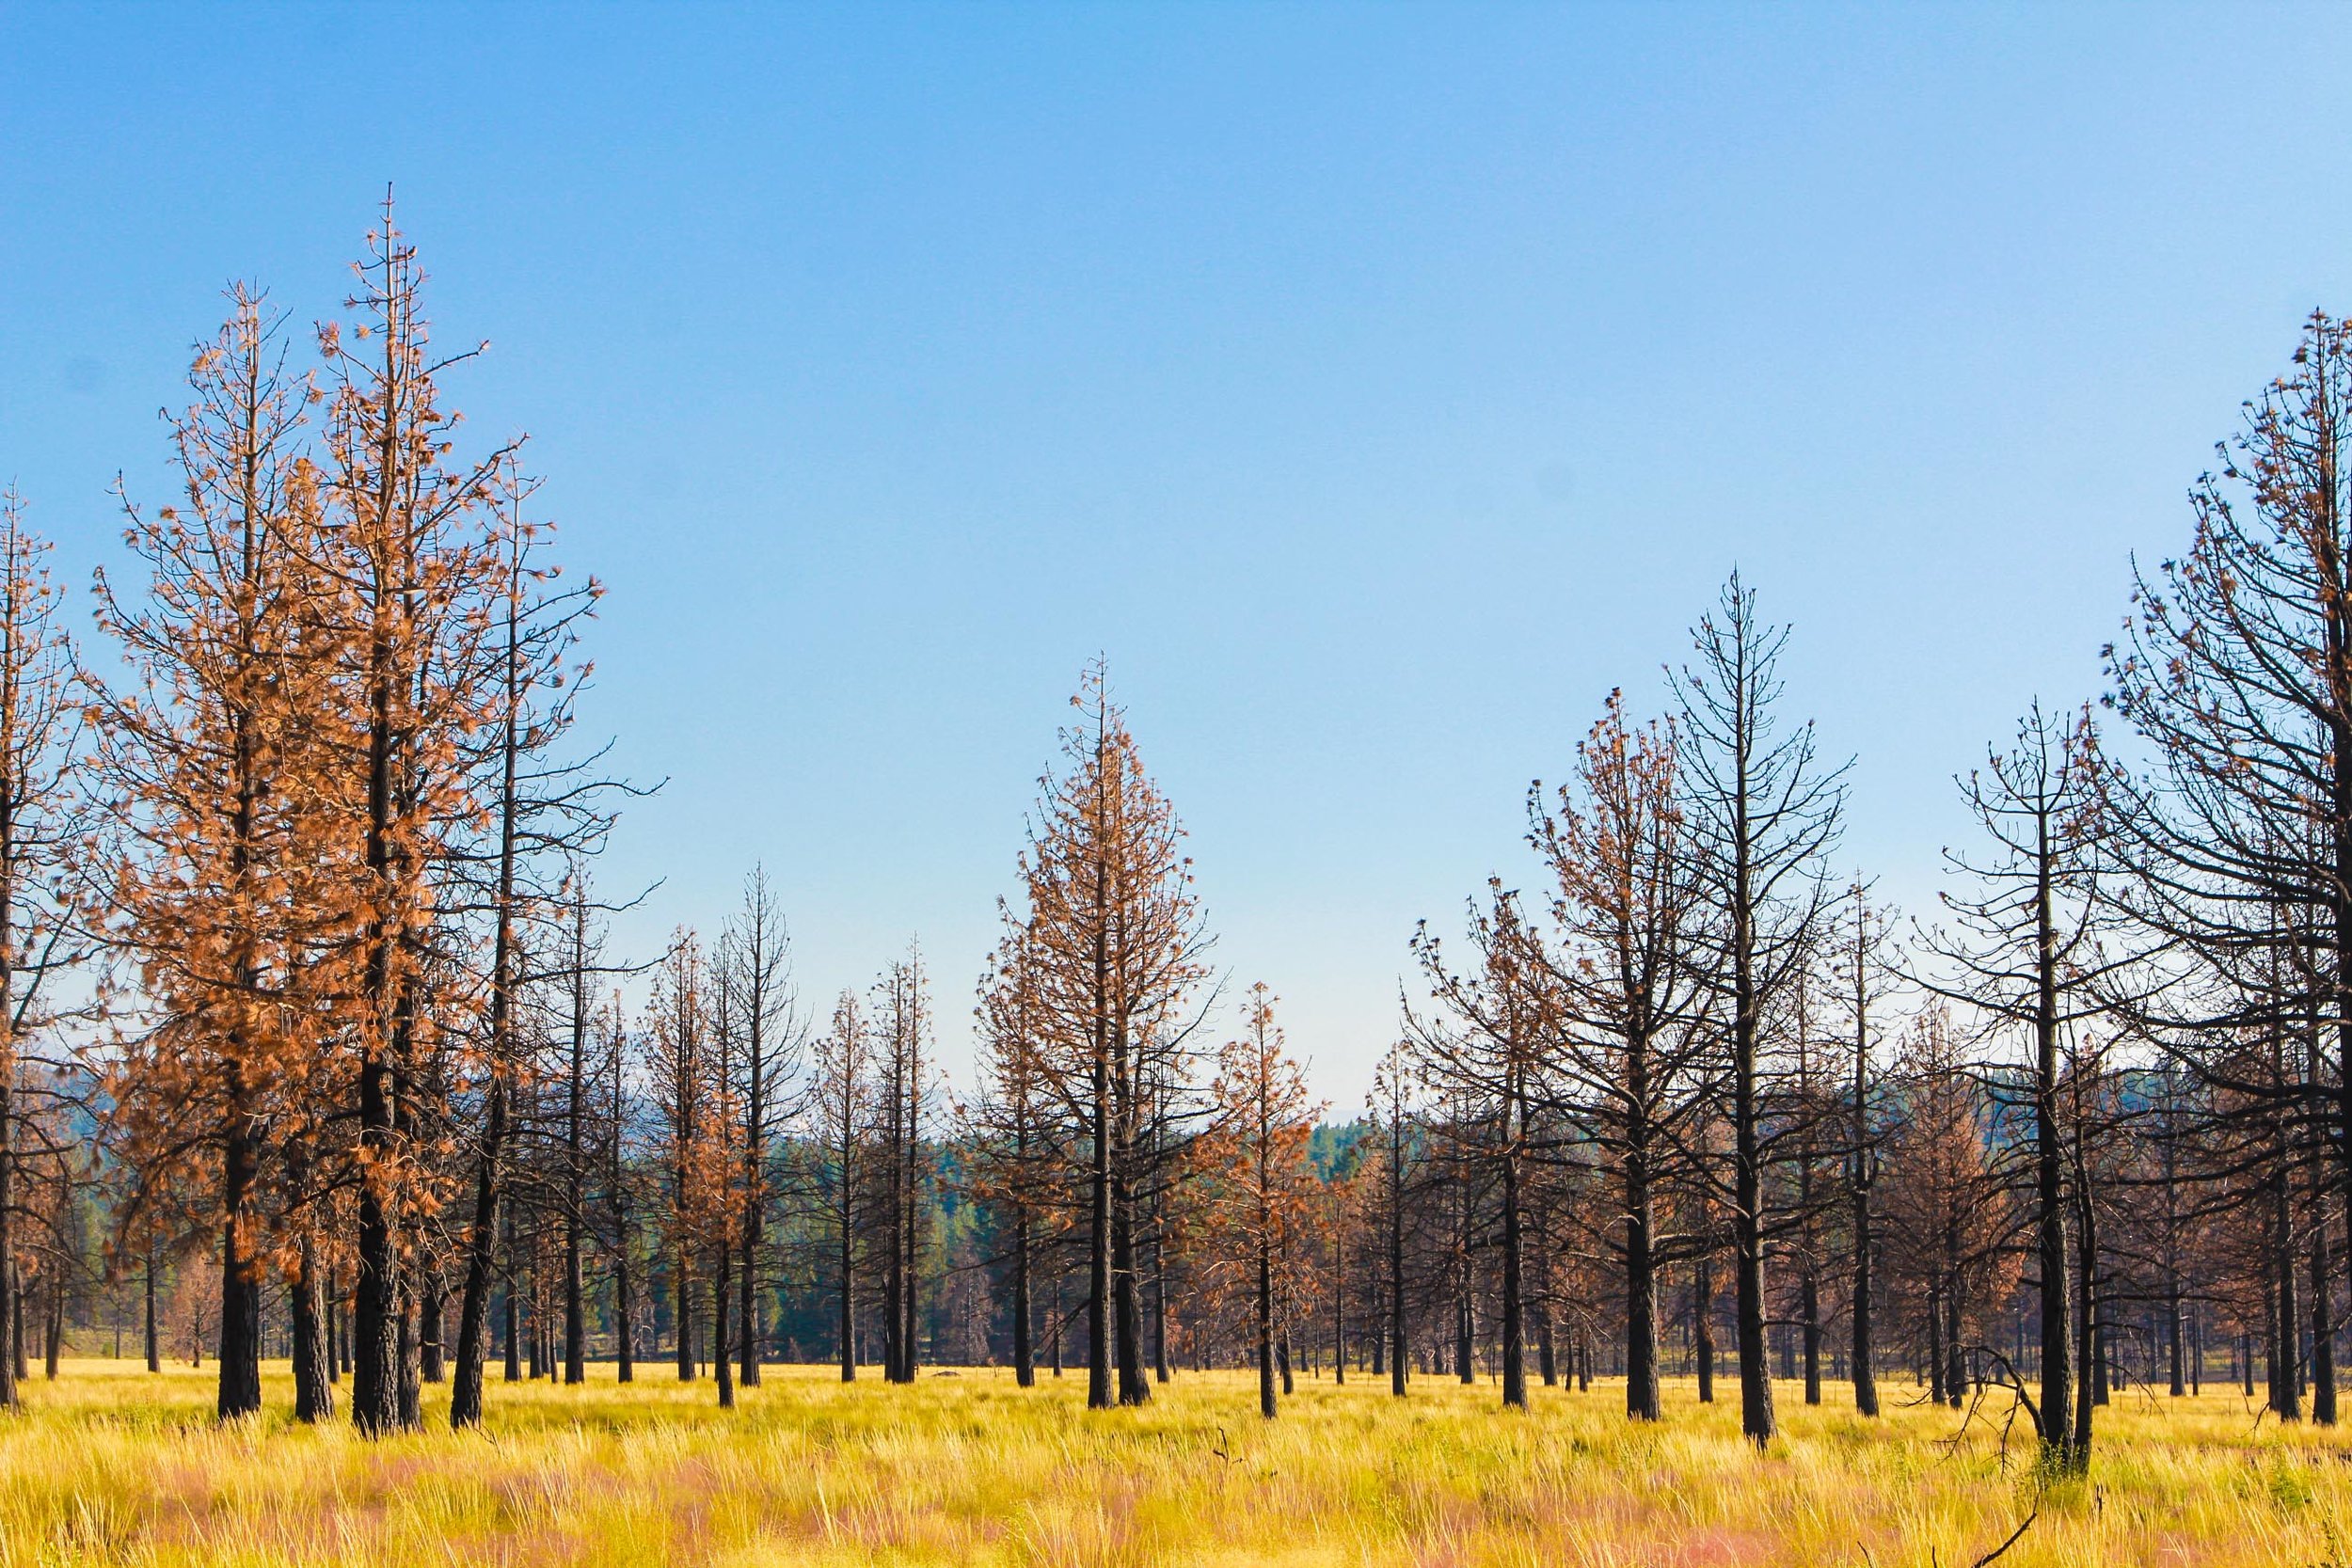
(110, 1464)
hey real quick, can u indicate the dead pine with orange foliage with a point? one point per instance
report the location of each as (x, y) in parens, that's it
(227, 813)
(1118, 946)
(417, 571)
(1011, 1132)
(1259, 1193)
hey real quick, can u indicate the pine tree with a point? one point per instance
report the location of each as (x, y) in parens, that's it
(903, 1028)
(1119, 948)
(1485, 1055)
(2026, 952)
(841, 1101)
(416, 578)
(1862, 973)
(546, 819)
(767, 1060)
(1255, 1160)
(1764, 810)
(1014, 1133)
(45, 824)
(227, 807)
(1630, 999)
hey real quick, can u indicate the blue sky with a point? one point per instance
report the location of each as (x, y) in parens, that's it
(1376, 386)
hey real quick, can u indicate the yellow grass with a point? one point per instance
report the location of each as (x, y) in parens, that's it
(110, 1464)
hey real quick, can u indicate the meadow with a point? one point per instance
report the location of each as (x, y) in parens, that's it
(112, 1465)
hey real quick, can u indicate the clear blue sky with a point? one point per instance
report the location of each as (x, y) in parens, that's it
(1377, 386)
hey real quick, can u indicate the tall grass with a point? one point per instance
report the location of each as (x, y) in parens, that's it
(110, 1464)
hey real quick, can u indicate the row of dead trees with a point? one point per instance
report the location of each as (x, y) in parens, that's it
(300, 957)
(2143, 976)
